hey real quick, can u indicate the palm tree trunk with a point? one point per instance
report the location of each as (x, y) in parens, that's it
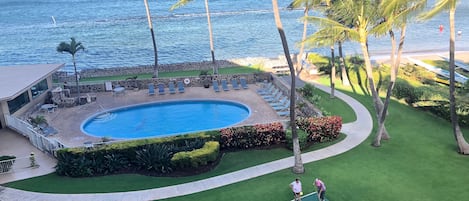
(212, 50)
(463, 146)
(299, 62)
(344, 74)
(332, 95)
(298, 166)
(150, 25)
(76, 78)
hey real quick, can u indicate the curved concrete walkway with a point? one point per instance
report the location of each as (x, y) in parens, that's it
(356, 131)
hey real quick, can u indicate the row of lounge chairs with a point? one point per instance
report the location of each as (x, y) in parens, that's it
(275, 98)
(171, 88)
(234, 84)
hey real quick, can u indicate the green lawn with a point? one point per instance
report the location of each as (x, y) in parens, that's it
(229, 70)
(420, 162)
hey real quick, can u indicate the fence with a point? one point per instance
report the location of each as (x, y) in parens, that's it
(39, 141)
(13, 165)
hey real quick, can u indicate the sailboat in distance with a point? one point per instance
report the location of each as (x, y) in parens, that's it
(53, 21)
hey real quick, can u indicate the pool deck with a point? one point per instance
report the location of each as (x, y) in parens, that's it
(68, 120)
(356, 131)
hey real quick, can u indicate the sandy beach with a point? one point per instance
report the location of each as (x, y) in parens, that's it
(462, 56)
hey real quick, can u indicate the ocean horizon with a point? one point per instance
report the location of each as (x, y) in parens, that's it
(115, 33)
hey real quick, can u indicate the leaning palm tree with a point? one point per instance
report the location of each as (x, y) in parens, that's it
(443, 5)
(298, 166)
(72, 48)
(155, 51)
(307, 5)
(209, 23)
(396, 14)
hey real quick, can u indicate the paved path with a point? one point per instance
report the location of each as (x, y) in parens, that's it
(356, 132)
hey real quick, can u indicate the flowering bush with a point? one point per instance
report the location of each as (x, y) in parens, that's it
(246, 137)
(320, 129)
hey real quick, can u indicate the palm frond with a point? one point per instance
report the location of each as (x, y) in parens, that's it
(179, 4)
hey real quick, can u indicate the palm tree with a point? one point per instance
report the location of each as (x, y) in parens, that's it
(396, 14)
(442, 5)
(298, 166)
(150, 25)
(207, 11)
(308, 5)
(72, 48)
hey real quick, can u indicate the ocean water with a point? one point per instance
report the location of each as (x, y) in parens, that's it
(115, 32)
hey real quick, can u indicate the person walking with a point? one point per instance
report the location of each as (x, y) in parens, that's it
(296, 188)
(321, 187)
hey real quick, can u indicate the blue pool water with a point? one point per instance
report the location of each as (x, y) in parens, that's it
(165, 118)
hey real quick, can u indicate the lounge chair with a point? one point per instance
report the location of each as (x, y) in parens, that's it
(243, 83)
(279, 103)
(47, 130)
(224, 85)
(215, 86)
(180, 87)
(271, 95)
(276, 98)
(235, 84)
(266, 91)
(283, 113)
(172, 88)
(282, 107)
(151, 89)
(161, 89)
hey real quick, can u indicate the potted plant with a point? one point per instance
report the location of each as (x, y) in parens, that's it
(206, 78)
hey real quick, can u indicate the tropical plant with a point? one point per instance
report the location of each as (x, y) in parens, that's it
(298, 166)
(307, 5)
(155, 157)
(155, 50)
(444, 5)
(396, 15)
(210, 32)
(72, 48)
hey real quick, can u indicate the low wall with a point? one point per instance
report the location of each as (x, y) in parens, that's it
(195, 81)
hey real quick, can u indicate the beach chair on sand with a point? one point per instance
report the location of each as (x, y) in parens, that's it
(215, 86)
(180, 87)
(161, 89)
(172, 88)
(151, 89)
(235, 84)
(243, 83)
(224, 85)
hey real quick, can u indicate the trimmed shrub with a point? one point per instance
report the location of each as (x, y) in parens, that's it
(199, 157)
(404, 90)
(321, 129)
(146, 154)
(246, 137)
(302, 138)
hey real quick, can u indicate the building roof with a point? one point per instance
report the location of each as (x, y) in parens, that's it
(15, 80)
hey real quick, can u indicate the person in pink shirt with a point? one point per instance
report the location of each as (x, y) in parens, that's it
(321, 188)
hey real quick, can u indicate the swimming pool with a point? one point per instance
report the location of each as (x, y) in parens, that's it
(166, 118)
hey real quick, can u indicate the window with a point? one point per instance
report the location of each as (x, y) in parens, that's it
(15, 104)
(39, 88)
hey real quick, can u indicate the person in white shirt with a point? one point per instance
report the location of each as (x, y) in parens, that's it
(296, 188)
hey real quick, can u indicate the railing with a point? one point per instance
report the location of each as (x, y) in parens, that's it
(13, 165)
(39, 141)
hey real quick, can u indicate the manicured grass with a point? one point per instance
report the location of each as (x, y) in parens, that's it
(229, 70)
(335, 106)
(420, 162)
(230, 162)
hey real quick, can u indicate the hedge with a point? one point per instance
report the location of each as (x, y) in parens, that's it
(246, 137)
(198, 157)
(321, 129)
